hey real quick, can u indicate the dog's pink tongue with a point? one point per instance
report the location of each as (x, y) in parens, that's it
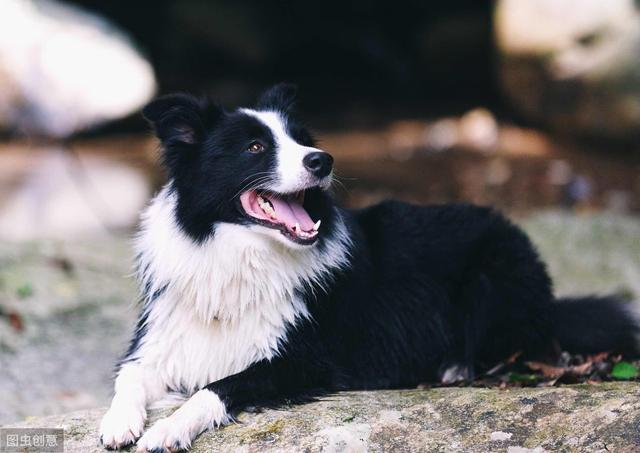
(290, 211)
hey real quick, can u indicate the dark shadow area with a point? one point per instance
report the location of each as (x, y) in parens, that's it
(358, 62)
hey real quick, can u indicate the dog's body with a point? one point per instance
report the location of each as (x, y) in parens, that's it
(248, 301)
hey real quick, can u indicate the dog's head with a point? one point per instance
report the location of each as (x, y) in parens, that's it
(256, 167)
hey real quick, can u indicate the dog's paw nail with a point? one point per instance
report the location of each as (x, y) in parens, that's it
(121, 427)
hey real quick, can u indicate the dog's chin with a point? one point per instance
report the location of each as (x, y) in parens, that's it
(279, 238)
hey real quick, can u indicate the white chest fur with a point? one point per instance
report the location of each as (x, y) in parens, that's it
(226, 303)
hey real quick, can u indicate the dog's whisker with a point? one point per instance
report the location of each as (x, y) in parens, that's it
(260, 173)
(340, 183)
(252, 185)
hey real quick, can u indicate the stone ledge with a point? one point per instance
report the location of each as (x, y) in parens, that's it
(584, 418)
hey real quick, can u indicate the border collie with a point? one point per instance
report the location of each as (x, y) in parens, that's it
(257, 289)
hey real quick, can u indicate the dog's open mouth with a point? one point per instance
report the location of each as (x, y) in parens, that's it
(283, 212)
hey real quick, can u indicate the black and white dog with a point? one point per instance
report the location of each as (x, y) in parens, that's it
(257, 289)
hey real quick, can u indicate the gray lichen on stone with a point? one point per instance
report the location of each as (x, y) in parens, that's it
(582, 418)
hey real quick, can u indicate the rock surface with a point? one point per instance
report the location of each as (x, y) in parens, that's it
(63, 69)
(588, 418)
(572, 64)
(66, 312)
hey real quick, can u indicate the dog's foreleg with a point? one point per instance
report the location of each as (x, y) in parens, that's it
(213, 405)
(124, 421)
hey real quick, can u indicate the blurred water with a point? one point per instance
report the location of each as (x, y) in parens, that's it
(100, 185)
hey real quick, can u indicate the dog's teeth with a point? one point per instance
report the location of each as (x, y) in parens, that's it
(296, 227)
(266, 207)
(316, 225)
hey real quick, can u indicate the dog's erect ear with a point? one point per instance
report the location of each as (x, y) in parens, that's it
(280, 97)
(181, 119)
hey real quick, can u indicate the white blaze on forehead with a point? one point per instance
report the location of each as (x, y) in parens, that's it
(292, 176)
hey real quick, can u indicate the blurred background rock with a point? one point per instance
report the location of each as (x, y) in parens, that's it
(532, 106)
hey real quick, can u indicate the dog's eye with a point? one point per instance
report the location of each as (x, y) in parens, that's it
(255, 147)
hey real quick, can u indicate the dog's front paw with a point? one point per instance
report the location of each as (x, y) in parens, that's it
(121, 426)
(165, 436)
(202, 411)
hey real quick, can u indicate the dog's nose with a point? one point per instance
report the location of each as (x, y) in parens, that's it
(318, 163)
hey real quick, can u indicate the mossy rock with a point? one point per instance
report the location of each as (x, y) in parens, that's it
(583, 418)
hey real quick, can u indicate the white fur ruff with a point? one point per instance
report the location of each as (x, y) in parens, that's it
(225, 303)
